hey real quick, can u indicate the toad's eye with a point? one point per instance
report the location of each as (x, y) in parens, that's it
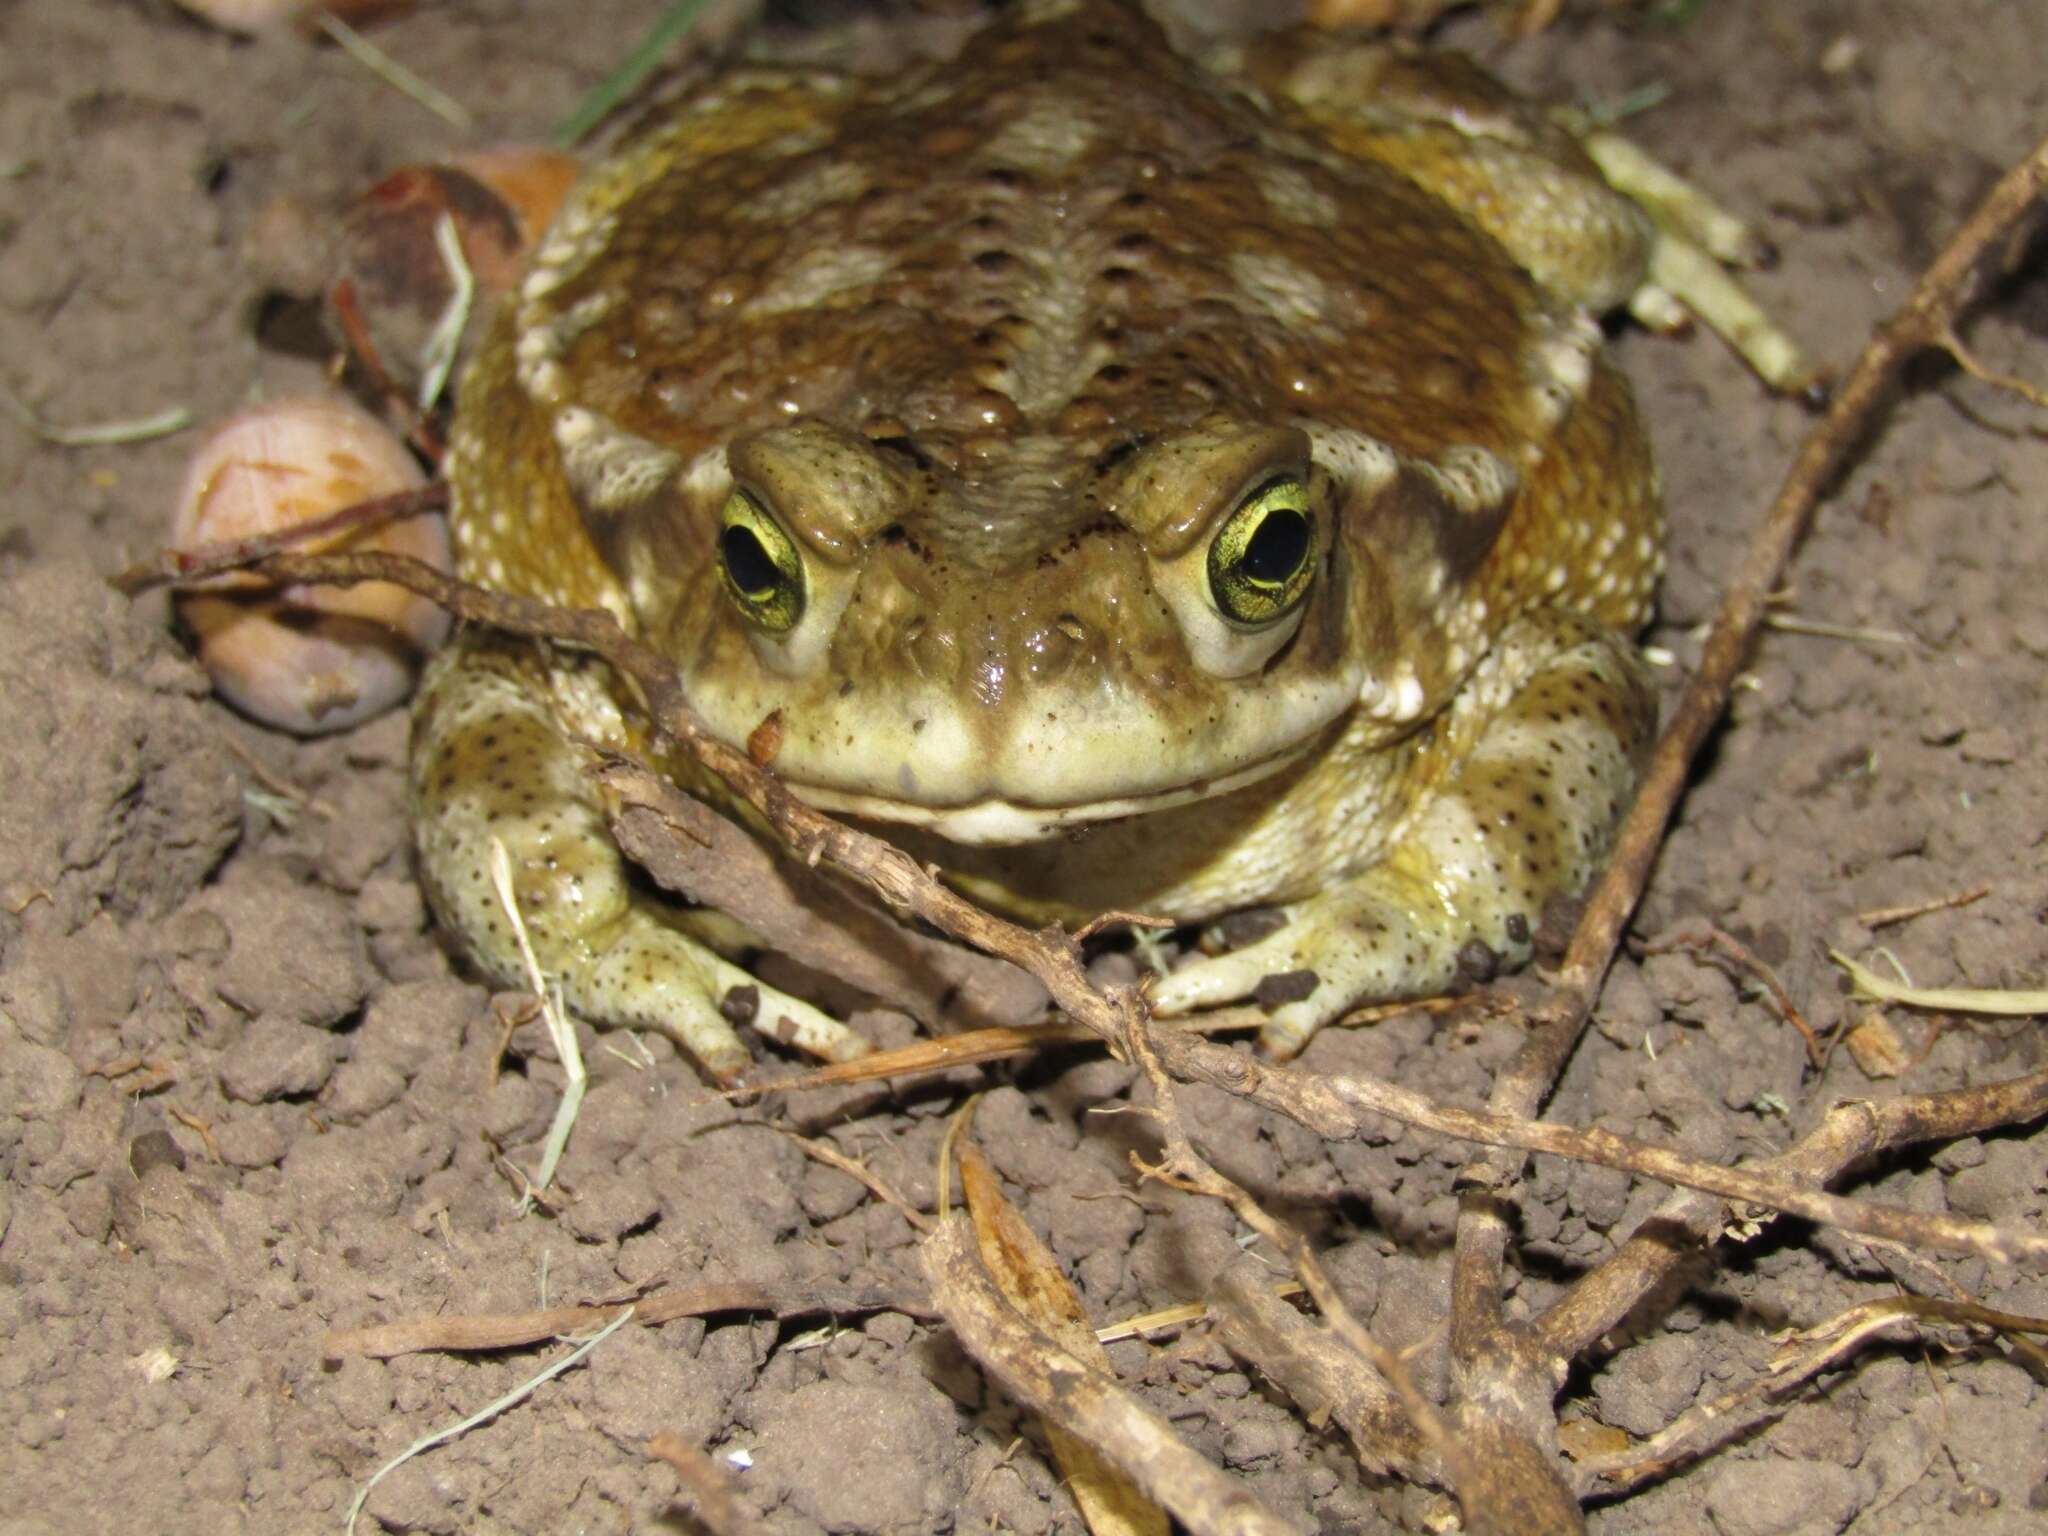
(1262, 560)
(764, 573)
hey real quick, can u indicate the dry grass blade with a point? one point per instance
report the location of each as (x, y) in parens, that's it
(1030, 1278)
(103, 434)
(561, 1028)
(396, 75)
(485, 1414)
(1181, 1316)
(922, 1058)
(2016, 1003)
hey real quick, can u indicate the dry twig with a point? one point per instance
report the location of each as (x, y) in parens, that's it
(710, 1490)
(824, 1152)
(1038, 1373)
(1881, 917)
(1718, 941)
(509, 1330)
(1707, 1426)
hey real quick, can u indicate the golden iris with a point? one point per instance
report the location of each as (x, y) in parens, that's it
(764, 573)
(1261, 561)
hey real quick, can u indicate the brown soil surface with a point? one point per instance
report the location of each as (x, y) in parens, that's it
(245, 1097)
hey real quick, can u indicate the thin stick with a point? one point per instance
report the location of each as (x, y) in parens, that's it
(509, 1330)
(1884, 917)
(1090, 1402)
(173, 566)
(1707, 1426)
(710, 1490)
(832, 1157)
(1848, 1135)
(1743, 956)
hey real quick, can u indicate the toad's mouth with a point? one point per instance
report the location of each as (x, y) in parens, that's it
(996, 822)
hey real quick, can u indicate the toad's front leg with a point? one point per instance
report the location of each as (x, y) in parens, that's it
(1553, 728)
(491, 762)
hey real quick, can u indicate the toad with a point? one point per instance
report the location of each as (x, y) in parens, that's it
(1133, 483)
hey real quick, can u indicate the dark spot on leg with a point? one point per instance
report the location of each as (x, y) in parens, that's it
(1284, 987)
(1478, 963)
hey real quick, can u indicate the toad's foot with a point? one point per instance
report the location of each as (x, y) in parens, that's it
(1584, 211)
(1696, 243)
(1529, 813)
(490, 763)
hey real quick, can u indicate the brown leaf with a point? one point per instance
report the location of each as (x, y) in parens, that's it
(1583, 1438)
(1877, 1048)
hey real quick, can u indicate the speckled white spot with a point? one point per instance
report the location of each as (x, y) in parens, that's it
(1284, 289)
(1363, 463)
(1044, 137)
(1561, 365)
(834, 181)
(580, 317)
(577, 237)
(1293, 197)
(820, 275)
(787, 146)
(1472, 479)
(1398, 698)
(609, 468)
(706, 476)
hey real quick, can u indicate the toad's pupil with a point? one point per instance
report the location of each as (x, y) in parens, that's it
(747, 563)
(1276, 548)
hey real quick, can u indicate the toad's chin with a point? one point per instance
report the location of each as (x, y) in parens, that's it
(1005, 823)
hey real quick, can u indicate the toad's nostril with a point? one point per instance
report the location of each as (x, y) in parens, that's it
(1050, 651)
(930, 651)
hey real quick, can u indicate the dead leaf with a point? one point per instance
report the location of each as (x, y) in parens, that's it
(1877, 1048)
(1582, 1439)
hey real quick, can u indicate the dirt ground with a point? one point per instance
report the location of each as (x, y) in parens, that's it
(245, 1097)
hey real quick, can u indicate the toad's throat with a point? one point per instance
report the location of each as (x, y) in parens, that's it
(996, 822)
